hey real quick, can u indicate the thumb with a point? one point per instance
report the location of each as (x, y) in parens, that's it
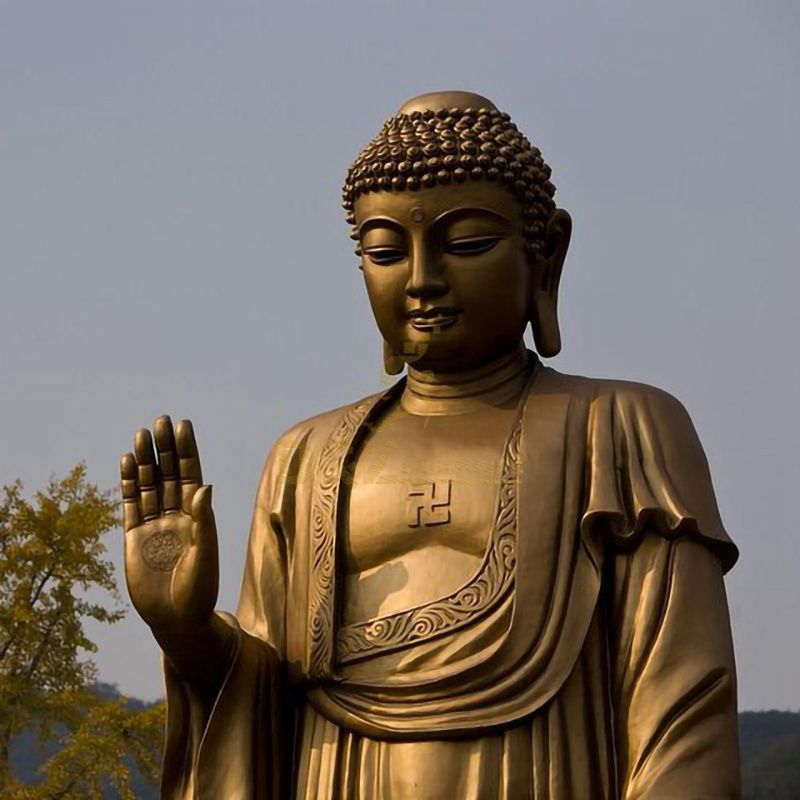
(202, 514)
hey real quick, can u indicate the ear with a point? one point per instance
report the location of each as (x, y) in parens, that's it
(546, 276)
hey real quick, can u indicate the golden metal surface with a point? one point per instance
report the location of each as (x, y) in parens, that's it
(490, 580)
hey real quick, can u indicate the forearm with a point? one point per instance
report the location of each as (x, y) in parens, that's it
(200, 653)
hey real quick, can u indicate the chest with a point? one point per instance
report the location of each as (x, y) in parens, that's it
(420, 507)
(421, 481)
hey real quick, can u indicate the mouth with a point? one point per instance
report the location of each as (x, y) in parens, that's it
(433, 318)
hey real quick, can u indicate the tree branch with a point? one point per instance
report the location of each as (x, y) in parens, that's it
(31, 603)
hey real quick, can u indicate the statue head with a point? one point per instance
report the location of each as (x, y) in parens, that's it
(460, 240)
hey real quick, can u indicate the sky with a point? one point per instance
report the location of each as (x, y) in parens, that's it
(171, 239)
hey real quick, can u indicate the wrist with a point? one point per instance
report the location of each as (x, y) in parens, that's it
(200, 650)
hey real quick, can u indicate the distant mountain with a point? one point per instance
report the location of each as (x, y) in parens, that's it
(770, 746)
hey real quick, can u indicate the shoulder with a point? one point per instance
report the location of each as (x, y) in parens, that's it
(293, 456)
(636, 404)
(599, 388)
(316, 429)
(633, 428)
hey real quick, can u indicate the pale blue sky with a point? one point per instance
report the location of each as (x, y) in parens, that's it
(171, 238)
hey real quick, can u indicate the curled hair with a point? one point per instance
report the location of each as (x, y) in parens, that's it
(427, 148)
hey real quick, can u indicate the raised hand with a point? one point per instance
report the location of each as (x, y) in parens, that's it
(171, 555)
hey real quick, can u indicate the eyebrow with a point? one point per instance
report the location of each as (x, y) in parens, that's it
(474, 211)
(379, 222)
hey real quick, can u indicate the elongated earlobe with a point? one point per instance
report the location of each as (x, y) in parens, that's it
(546, 331)
(546, 278)
(393, 364)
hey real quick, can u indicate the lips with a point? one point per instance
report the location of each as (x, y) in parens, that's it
(433, 318)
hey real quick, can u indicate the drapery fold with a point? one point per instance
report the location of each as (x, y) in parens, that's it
(241, 745)
(647, 471)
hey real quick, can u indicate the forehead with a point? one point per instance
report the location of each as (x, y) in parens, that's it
(409, 207)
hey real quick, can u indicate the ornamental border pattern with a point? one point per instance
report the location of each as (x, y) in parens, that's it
(323, 536)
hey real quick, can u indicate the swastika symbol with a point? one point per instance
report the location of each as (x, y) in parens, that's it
(429, 503)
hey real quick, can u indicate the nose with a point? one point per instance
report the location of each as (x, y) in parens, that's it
(425, 278)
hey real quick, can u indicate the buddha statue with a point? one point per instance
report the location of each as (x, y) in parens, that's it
(488, 581)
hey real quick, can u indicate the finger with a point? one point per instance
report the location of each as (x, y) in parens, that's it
(204, 526)
(167, 463)
(130, 491)
(148, 477)
(189, 472)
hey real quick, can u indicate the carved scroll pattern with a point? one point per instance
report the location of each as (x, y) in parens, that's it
(323, 537)
(445, 615)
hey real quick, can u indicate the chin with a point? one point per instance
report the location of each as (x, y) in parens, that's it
(432, 347)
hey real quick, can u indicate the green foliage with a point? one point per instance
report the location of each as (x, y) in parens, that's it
(52, 569)
(97, 755)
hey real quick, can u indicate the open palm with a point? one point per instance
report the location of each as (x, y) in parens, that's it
(171, 555)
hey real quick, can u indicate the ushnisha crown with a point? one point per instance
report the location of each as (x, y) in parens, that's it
(428, 143)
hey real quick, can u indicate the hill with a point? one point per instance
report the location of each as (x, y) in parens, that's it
(770, 745)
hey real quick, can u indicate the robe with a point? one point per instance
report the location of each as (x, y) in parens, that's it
(589, 656)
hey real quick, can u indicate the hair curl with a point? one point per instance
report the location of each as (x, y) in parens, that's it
(423, 149)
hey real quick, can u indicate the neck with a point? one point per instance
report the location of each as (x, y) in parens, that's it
(496, 383)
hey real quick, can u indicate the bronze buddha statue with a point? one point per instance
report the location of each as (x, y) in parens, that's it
(491, 580)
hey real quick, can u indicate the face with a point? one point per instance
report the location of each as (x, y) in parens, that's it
(446, 272)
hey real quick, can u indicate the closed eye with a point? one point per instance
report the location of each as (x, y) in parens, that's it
(384, 256)
(472, 246)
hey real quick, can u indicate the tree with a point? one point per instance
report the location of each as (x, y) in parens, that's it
(52, 570)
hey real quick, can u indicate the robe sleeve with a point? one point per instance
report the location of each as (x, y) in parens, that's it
(672, 671)
(673, 676)
(237, 743)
